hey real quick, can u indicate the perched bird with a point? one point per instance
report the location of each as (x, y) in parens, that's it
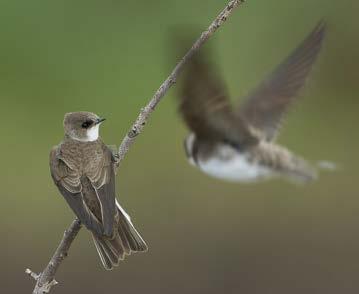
(238, 143)
(83, 169)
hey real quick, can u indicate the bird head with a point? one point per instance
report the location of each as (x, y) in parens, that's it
(82, 126)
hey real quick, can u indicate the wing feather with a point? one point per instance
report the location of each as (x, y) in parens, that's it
(264, 107)
(104, 185)
(69, 184)
(205, 106)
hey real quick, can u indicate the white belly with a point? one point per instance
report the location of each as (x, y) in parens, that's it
(237, 168)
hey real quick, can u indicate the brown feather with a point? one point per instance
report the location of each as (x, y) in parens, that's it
(281, 160)
(84, 172)
(86, 168)
(264, 107)
(205, 106)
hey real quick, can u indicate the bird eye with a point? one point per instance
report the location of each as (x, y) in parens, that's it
(86, 124)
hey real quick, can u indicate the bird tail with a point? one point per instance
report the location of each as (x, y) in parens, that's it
(301, 172)
(327, 165)
(304, 177)
(305, 173)
(125, 240)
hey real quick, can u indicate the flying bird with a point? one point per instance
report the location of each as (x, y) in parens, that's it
(238, 143)
(83, 169)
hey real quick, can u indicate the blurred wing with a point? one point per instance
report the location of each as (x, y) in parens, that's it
(205, 106)
(69, 184)
(103, 181)
(266, 105)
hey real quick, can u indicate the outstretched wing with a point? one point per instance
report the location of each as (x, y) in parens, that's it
(69, 184)
(205, 106)
(265, 106)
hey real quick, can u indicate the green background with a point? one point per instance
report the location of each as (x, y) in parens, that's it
(205, 236)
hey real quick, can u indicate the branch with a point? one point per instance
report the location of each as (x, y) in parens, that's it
(46, 280)
(141, 120)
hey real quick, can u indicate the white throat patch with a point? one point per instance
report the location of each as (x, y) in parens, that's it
(92, 133)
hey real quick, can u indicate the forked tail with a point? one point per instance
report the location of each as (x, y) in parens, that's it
(304, 172)
(125, 240)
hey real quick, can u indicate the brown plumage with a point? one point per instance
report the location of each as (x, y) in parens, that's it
(264, 107)
(83, 168)
(250, 129)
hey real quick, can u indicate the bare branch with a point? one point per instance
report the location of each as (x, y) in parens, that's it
(46, 280)
(162, 90)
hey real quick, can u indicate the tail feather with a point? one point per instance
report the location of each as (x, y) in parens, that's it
(136, 243)
(114, 253)
(125, 240)
(102, 253)
(294, 167)
(301, 171)
(304, 172)
(327, 165)
(134, 240)
(303, 176)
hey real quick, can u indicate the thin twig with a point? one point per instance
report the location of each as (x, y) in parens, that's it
(46, 280)
(141, 120)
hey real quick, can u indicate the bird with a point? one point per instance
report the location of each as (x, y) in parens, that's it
(238, 142)
(83, 169)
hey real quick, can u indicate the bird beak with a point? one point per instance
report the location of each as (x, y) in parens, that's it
(100, 120)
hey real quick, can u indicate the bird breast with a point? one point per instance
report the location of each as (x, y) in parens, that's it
(82, 157)
(229, 164)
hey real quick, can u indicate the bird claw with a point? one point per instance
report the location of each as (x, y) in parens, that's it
(115, 155)
(116, 158)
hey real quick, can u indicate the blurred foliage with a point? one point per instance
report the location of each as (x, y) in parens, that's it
(204, 235)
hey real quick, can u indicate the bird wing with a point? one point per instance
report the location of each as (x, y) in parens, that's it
(103, 181)
(205, 105)
(69, 184)
(264, 107)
